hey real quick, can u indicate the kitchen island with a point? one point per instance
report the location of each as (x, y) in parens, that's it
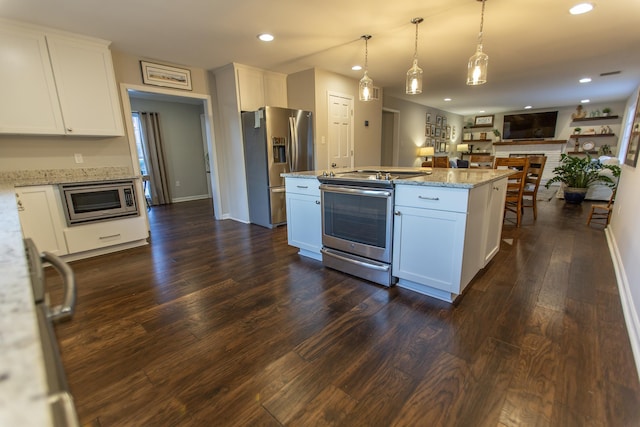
(446, 226)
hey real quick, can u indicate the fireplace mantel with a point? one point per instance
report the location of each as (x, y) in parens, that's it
(531, 142)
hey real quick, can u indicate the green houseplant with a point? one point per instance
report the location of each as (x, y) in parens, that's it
(578, 173)
(606, 111)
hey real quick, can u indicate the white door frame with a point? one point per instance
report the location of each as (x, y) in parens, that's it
(351, 125)
(211, 145)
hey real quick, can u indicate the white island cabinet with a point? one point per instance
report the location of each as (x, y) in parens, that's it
(444, 235)
(55, 83)
(304, 217)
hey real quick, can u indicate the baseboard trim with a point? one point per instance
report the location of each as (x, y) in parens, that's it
(630, 314)
(190, 198)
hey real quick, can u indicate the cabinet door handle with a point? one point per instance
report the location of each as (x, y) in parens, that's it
(69, 130)
(109, 237)
(397, 213)
(428, 198)
(496, 188)
(317, 202)
(302, 186)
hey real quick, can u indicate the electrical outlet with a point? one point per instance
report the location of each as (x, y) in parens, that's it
(177, 183)
(78, 158)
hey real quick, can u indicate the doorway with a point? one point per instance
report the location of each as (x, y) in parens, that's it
(390, 137)
(204, 124)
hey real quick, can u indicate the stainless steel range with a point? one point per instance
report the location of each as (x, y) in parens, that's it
(357, 222)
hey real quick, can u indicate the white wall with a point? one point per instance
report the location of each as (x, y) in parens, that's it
(624, 240)
(412, 123)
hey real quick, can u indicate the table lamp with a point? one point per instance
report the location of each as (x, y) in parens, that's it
(426, 152)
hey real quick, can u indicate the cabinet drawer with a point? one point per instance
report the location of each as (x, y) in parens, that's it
(440, 198)
(102, 234)
(307, 186)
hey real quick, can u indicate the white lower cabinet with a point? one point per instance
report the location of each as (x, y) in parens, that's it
(100, 235)
(304, 216)
(41, 217)
(443, 236)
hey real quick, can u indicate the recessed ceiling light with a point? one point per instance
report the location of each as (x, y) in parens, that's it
(482, 111)
(581, 8)
(447, 99)
(585, 80)
(528, 107)
(584, 101)
(265, 37)
(356, 67)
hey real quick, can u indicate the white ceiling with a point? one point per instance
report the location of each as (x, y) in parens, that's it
(537, 50)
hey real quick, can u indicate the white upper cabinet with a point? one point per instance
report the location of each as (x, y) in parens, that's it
(55, 84)
(258, 88)
(29, 101)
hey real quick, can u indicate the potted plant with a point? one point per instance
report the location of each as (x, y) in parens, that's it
(496, 134)
(577, 131)
(578, 173)
(606, 111)
(604, 150)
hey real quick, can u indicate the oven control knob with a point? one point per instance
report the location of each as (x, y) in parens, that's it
(387, 176)
(378, 175)
(324, 173)
(331, 174)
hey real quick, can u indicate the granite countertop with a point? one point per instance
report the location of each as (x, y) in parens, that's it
(23, 386)
(60, 176)
(438, 177)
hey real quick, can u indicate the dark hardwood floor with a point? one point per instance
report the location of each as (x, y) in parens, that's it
(222, 323)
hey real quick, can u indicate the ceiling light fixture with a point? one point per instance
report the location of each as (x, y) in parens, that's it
(477, 67)
(585, 80)
(528, 107)
(265, 37)
(365, 88)
(447, 100)
(414, 75)
(585, 101)
(581, 8)
(356, 67)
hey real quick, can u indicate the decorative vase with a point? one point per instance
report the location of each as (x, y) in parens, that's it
(574, 195)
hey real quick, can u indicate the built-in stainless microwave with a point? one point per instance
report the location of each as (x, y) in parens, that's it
(98, 201)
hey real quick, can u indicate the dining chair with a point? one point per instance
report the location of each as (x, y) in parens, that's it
(441, 162)
(515, 184)
(481, 161)
(532, 182)
(600, 212)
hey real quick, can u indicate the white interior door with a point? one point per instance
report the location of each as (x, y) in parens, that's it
(340, 131)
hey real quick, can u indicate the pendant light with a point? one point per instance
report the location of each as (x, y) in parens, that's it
(414, 75)
(366, 84)
(477, 67)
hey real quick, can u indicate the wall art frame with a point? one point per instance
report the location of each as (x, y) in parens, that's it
(165, 76)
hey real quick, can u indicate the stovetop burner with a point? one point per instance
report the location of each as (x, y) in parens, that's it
(368, 178)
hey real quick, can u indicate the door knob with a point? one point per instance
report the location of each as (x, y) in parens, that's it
(333, 165)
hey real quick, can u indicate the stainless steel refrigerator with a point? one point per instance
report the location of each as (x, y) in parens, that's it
(276, 140)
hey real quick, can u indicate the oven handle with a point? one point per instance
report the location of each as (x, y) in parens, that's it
(65, 310)
(357, 191)
(356, 262)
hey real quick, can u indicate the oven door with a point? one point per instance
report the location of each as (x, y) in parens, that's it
(358, 220)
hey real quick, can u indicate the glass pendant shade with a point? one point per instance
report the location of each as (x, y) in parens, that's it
(477, 67)
(414, 79)
(366, 88)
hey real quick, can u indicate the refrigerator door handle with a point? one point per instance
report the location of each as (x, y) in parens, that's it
(293, 145)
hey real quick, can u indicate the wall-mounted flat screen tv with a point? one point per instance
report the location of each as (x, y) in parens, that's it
(530, 125)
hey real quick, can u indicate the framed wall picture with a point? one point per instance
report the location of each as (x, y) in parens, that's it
(483, 121)
(437, 134)
(443, 147)
(483, 135)
(631, 158)
(427, 130)
(439, 121)
(447, 133)
(428, 118)
(433, 130)
(166, 76)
